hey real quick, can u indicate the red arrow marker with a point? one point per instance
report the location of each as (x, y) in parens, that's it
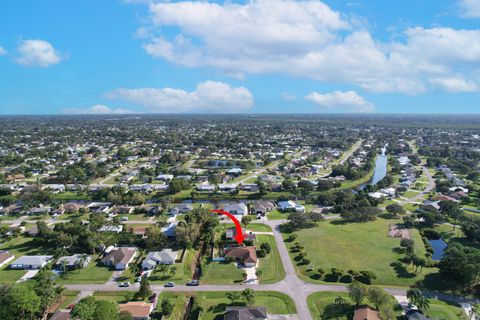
(239, 237)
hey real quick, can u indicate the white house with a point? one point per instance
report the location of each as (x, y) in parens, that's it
(287, 205)
(30, 262)
(166, 256)
(120, 257)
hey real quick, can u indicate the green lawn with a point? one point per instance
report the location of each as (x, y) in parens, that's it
(220, 272)
(179, 301)
(357, 246)
(271, 266)
(214, 303)
(114, 296)
(410, 194)
(322, 306)
(441, 310)
(93, 273)
(67, 298)
(258, 227)
(19, 246)
(276, 215)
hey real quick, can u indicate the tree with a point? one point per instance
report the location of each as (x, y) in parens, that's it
(395, 209)
(266, 247)
(21, 302)
(357, 292)
(106, 310)
(166, 307)
(416, 298)
(340, 300)
(258, 273)
(249, 296)
(144, 291)
(246, 220)
(233, 296)
(378, 297)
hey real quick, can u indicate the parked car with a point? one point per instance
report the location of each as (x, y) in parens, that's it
(193, 283)
(138, 279)
(169, 284)
(124, 284)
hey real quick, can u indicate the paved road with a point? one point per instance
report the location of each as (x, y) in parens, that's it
(428, 188)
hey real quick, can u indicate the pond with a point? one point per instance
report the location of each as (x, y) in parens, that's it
(439, 247)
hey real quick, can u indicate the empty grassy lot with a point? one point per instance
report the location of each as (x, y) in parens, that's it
(322, 306)
(357, 246)
(93, 273)
(214, 303)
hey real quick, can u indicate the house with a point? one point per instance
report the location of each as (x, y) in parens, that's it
(119, 257)
(123, 210)
(164, 177)
(166, 256)
(236, 208)
(61, 314)
(235, 172)
(247, 255)
(288, 206)
(431, 205)
(180, 208)
(170, 231)
(231, 233)
(5, 257)
(74, 261)
(262, 207)
(205, 186)
(111, 228)
(245, 313)
(227, 187)
(249, 187)
(138, 309)
(416, 315)
(365, 313)
(99, 207)
(72, 207)
(31, 262)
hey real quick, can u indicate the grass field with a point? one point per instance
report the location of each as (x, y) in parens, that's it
(322, 306)
(214, 303)
(442, 310)
(179, 301)
(357, 246)
(93, 273)
(113, 296)
(276, 215)
(67, 298)
(271, 266)
(218, 272)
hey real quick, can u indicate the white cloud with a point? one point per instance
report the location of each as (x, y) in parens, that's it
(37, 53)
(97, 109)
(209, 96)
(455, 85)
(345, 101)
(470, 8)
(309, 39)
(2, 51)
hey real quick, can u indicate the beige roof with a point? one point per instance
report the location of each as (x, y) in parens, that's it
(119, 255)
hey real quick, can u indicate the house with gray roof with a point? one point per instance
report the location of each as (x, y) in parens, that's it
(154, 258)
(245, 313)
(31, 262)
(74, 261)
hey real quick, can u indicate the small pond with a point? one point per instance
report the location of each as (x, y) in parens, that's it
(438, 246)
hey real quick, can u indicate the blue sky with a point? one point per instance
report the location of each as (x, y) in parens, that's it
(267, 56)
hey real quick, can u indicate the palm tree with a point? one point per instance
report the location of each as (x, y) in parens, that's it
(258, 273)
(415, 297)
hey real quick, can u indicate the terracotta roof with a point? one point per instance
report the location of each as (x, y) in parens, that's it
(137, 309)
(5, 255)
(365, 314)
(246, 254)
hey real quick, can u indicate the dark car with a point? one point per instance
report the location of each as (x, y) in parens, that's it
(169, 284)
(193, 283)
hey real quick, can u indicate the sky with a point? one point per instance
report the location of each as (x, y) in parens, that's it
(258, 56)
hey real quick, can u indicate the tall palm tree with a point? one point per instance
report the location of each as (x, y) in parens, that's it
(415, 297)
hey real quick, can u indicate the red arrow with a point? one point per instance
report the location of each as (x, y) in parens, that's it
(239, 237)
